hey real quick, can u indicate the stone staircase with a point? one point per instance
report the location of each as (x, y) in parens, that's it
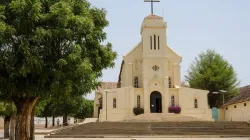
(155, 129)
(161, 117)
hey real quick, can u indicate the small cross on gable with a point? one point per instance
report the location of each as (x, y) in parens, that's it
(152, 4)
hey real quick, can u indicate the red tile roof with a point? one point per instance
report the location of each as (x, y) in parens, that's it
(107, 85)
(153, 17)
(242, 97)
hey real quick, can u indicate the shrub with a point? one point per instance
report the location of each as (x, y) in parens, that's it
(138, 111)
(174, 109)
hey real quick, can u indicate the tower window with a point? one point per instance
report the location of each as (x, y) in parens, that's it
(158, 42)
(245, 104)
(169, 82)
(138, 101)
(155, 42)
(172, 101)
(114, 103)
(151, 43)
(235, 106)
(136, 82)
(195, 103)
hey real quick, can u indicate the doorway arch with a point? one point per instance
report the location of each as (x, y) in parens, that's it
(155, 102)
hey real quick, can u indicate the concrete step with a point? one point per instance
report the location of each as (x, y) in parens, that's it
(161, 117)
(160, 128)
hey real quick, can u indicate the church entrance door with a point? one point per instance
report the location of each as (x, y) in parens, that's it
(155, 102)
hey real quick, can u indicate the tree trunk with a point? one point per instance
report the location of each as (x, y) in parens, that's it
(46, 122)
(12, 127)
(23, 117)
(65, 120)
(6, 126)
(53, 121)
(32, 125)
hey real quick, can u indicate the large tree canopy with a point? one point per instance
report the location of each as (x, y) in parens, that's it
(50, 48)
(210, 71)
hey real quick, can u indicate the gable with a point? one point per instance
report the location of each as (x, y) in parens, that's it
(135, 52)
(173, 56)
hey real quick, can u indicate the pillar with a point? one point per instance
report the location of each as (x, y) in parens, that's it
(129, 74)
(131, 99)
(177, 79)
(146, 97)
(104, 106)
(166, 101)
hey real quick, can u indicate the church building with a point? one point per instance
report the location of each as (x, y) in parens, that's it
(150, 79)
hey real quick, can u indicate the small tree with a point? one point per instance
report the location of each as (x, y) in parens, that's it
(85, 110)
(7, 110)
(210, 71)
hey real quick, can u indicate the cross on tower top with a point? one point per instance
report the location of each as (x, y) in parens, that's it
(152, 4)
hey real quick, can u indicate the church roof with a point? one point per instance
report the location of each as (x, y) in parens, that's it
(153, 17)
(107, 85)
(242, 97)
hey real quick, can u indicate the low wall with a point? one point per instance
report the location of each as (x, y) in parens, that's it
(40, 121)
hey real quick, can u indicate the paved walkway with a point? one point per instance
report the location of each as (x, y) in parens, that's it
(41, 138)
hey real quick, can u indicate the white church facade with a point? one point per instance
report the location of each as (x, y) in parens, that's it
(150, 79)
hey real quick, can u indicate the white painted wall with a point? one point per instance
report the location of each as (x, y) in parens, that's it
(39, 120)
(240, 113)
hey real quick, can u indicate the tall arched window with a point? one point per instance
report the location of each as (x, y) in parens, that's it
(158, 42)
(136, 82)
(154, 42)
(151, 43)
(138, 101)
(195, 103)
(172, 101)
(114, 103)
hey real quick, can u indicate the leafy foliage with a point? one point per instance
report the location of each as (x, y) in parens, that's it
(210, 71)
(85, 110)
(51, 48)
(7, 109)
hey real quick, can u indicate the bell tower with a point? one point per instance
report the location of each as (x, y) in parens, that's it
(153, 33)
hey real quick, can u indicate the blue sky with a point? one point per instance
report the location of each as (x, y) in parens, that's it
(193, 26)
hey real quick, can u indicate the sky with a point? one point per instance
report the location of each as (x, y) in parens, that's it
(193, 26)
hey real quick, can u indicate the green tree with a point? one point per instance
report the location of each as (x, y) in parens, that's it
(7, 110)
(67, 107)
(50, 48)
(210, 71)
(44, 109)
(85, 110)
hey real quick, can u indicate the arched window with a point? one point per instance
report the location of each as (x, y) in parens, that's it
(136, 82)
(114, 103)
(154, 42)
(138, 101)
(158, 42)
(172, 101)
(195, 103)
(151, 43)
